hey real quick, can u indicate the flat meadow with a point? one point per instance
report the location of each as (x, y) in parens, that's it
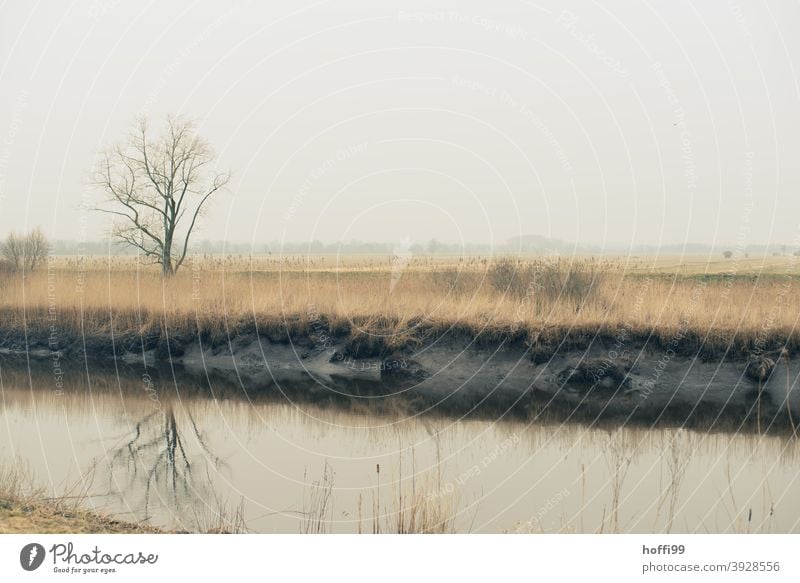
(718, 302)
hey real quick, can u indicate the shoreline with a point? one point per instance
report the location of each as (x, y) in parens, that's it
(43, 516)
(576, 374)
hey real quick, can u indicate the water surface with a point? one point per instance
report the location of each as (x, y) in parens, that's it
(178, 452)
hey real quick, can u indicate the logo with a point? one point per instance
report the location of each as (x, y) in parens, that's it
(31, 556)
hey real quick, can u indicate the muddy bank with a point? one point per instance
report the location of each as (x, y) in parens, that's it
(579, 378)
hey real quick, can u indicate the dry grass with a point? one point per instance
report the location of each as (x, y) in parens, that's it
(20, 517)
(26, 510)
(424, 508)
(726, 301)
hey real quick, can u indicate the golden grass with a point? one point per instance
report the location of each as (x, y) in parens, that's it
(19, 517)
(25, 510)
(744, 301)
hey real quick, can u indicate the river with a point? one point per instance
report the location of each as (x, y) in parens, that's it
(180, 451)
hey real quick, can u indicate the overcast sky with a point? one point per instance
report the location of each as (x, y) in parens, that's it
(645, 122)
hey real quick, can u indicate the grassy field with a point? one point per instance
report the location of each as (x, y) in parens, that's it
(746, 302)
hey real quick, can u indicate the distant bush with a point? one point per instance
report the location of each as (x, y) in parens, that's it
(727, 254)
(25, 251)
(507, 277)
(455, 281)
(547, 281)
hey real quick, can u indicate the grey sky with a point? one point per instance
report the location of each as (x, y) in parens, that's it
(642, 122)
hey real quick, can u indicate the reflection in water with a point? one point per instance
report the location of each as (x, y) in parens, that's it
(201, 448)
(156, 457)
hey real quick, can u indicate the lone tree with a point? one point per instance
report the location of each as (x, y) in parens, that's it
(26, 251)
(158, 186)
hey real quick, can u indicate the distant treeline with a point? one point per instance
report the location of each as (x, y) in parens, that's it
(63, 247)
(525, 244)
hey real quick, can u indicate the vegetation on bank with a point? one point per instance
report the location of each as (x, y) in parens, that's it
(24, 510)
(384, 303)
(46, 517)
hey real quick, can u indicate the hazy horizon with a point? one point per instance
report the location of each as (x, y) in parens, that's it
(539, 246)
(642, 125)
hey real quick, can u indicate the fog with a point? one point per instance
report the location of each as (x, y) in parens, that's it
(646, 123)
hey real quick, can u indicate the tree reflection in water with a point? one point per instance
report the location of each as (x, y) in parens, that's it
(160, 457)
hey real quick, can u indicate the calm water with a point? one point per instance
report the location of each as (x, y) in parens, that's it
(170, 453)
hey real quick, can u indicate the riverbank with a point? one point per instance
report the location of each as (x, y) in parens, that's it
(583, 338)
(24, 509)
(583, 375)
(33, 515)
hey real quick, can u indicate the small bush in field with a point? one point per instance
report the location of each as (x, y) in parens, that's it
(505, 276)
(25, 251)
(547, 281)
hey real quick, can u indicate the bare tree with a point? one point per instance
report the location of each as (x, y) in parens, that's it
(158, 187)
(26, 251)
(36, 249)
(12, 250)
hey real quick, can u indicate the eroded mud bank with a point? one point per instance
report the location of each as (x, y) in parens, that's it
(595, 378)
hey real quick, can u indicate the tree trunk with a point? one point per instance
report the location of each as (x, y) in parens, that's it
(166, 254)
(166, 264)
